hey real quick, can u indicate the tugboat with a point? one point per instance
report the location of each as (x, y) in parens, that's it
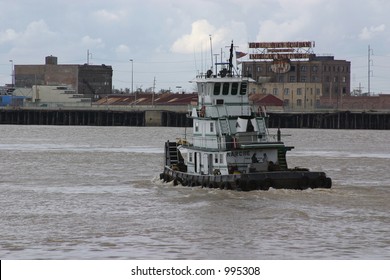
(231, 146)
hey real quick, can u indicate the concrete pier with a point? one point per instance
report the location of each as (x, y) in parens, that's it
(92, 117)
(331, 120)
(320, 120)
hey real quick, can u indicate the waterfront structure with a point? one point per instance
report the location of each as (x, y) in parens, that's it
(294, 73)
(92, 81)
(52, 96)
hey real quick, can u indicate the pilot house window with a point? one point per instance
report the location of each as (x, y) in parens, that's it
(243, 88)
(234, 88)
(225, 89)
(217, 88)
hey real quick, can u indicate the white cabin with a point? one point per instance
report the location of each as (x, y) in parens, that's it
(227, 137)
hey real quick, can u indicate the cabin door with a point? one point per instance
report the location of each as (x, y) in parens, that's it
(197, 162)
(210, 161)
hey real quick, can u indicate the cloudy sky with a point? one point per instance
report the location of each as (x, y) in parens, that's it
(169, 40)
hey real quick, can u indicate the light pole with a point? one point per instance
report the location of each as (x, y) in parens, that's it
(12, 72)
(132, 79)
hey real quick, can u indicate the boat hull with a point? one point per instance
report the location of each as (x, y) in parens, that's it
(298, 179)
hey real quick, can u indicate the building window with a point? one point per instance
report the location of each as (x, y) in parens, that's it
(326, 89)
(286, 91)
(318, 92)
(264, 90)
(299, 91)
(303, 68)
(292, 79)
(281, 79)
(299, 102)
(286, 102)
(303, 79)
(275, 91)
(344, 79)
(259, 69)
(335, 79)
(315, 68)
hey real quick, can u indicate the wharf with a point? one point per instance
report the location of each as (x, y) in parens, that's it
(92, 117)
(178, 118)
(331, 120)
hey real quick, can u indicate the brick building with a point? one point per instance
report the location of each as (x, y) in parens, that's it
(291, 69)
(90, 80)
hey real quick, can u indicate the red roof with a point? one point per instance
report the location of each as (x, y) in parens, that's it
(265, 100)
(149, 98)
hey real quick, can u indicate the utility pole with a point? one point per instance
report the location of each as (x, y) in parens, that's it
(154, 88)
(132, 80)
(12, 73)
(89, 55)
(370, 52)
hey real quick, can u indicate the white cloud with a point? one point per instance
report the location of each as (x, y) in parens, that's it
(199, 38)
(8, 35)
(200, 32)
(38, 30)
(122, 49)
(369, 33)
(87, 41)
(270, 30)
(107, 16)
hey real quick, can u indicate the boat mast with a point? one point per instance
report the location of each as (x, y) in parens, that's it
(230, 70)
(211, 53)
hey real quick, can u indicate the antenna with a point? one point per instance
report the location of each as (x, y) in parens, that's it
(89, 55)
(370, 72)
(211, 52)
(154, 88)
(216, 63)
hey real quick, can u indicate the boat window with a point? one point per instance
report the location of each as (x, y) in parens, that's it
(217, 88)
(220, 158)
(196, 127)
(243, 88)
(225, 89)
(216, 158)
(234, 88)
(211, 127)
(190, 157)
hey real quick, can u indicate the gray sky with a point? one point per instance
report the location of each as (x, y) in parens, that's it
(170, 40)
